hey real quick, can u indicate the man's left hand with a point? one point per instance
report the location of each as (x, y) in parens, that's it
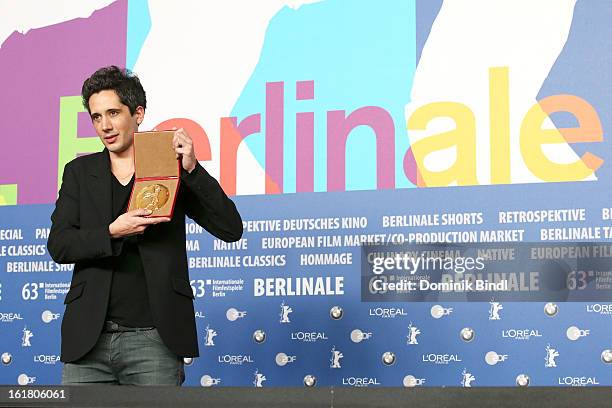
(183, 147)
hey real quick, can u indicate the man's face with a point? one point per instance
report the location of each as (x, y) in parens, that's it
(112, 120)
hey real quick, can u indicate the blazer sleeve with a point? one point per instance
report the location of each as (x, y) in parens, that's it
(207, 204)
(68, 242)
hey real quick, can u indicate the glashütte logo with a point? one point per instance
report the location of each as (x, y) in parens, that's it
(440, 358)
(284, 313)
(46, 359)
(578, 381)
(233, 314)
(438, 311)
(208, 381)
(308, 337)
(259, 379)
(551, 354)
(25, 337)
(209, 336)
(9, 317)
(599, 308)
(494, 309)
(360, 381)
(336, 355)
(357, 336)
(235, 359)
(387, 312)
(412, 381)
(521, 334)
(413, 332)
(25, 379)
(283, 359)
(493, 357)
(48, 316)
(467, 378)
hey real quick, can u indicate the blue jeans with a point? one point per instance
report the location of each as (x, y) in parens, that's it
(127, 358)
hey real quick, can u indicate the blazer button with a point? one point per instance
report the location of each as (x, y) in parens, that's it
(115, 326)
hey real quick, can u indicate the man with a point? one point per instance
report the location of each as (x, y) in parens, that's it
(129, 315)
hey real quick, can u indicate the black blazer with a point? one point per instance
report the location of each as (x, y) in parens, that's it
(79, 234)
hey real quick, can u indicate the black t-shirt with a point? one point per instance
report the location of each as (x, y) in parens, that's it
(129, 301)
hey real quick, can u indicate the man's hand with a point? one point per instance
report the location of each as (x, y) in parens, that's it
(183, 147)
(132, 223)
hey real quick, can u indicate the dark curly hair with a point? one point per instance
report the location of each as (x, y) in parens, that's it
(123, 81)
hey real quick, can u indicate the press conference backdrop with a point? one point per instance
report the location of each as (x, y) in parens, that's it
(342, 129)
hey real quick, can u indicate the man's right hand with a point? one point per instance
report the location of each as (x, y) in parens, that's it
(133, 222)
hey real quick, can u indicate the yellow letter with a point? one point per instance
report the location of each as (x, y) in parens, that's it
(533, 137)
(463, 137)
(499, 119)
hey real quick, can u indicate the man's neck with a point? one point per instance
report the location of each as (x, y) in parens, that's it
(123, 162)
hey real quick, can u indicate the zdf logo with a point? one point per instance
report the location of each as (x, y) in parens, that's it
(574, 333)
(357, 336)
(48, 316)
(493, 358)
(283, 359)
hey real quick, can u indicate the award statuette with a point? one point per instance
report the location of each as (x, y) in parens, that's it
(157, 173)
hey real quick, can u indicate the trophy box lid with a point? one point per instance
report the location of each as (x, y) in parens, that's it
(154, 155)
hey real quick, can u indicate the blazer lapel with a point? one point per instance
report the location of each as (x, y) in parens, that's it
(99, 185)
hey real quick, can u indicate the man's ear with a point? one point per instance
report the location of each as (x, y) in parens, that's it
(140, 112)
